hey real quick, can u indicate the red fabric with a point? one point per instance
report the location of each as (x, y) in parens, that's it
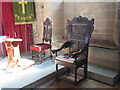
(40, 47)
(0, 26)
(25, 33)
(0, 18)
(7, 19)
(15, 31)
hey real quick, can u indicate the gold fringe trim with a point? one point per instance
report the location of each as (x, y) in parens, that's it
(17, 23)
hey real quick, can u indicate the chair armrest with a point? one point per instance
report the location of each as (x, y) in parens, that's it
(64, 45)
(82, 51)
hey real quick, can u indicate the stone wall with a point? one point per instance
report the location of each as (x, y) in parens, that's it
(38, 25)
(116, 29)
(104, 14)
(58, 19)
(119, 35)
(119, 26)
(53, 10)
(0, 17)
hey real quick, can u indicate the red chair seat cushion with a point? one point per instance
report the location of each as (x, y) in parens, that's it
(40, 47)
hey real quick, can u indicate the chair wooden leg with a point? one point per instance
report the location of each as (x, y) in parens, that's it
(68, 70)
(85, 71)
(50, 54)
(32, 54)
(40, 56)
(56, 70)
(75, 76)
(44, 53)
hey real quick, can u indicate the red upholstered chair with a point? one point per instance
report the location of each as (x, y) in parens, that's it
(39, 49)
(79, 32)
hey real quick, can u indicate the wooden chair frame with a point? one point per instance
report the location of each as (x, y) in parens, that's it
(46, 41)
(79, 30)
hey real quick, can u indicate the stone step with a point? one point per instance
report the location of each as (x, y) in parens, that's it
(100, 57)
(28, 78)
(57, 44)
(101, 74)
(48, 74)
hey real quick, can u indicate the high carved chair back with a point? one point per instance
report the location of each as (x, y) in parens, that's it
(79, 32)
(47, 31)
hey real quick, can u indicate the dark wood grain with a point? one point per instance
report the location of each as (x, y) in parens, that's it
(79, 32)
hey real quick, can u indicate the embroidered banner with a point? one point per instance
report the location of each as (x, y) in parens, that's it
(23, 12)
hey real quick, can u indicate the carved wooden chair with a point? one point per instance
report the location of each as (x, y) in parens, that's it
(79, 32)
(46, 41)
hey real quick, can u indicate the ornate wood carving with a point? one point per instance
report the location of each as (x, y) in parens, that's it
(47, 33)
(79, 29)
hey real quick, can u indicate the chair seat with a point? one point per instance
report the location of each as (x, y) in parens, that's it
(66, 58)
(40, 47)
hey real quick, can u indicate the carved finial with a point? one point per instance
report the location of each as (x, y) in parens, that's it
(81, 19)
